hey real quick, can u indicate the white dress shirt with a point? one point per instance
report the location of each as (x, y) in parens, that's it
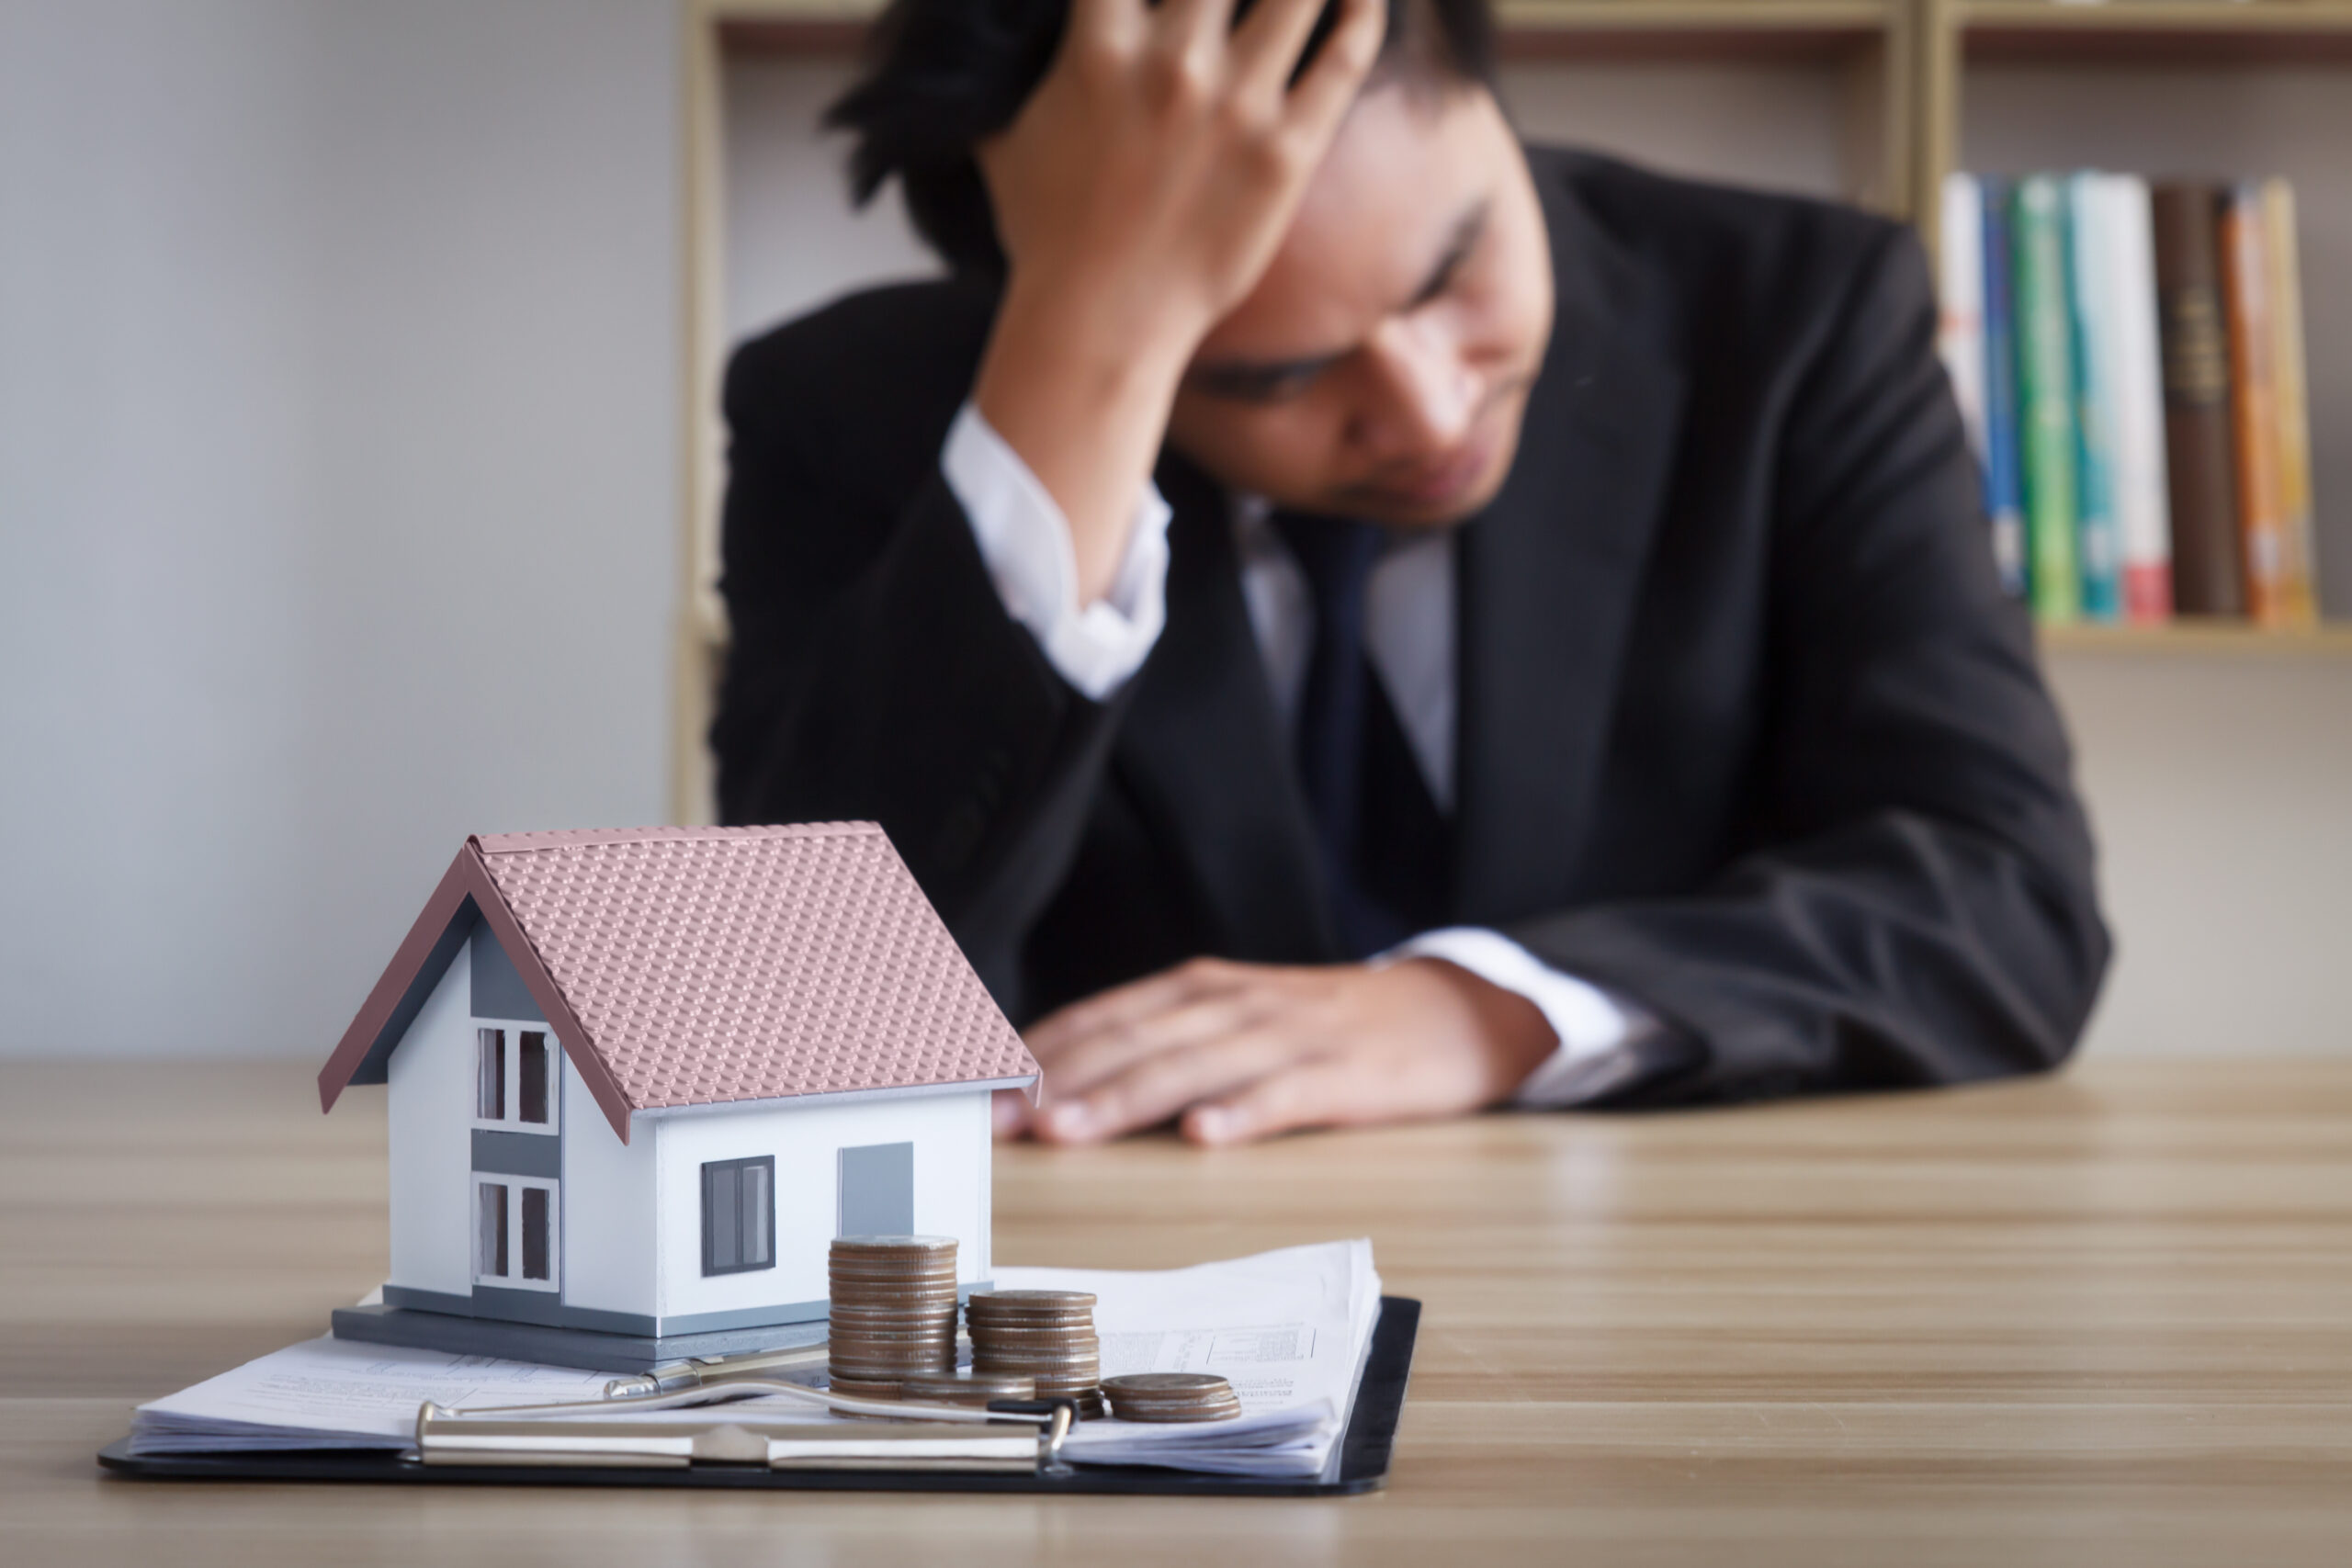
(1409, 634)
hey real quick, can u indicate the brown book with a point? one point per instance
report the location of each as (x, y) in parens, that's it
(2253, 402)
(2206, 575)
(2299, 570)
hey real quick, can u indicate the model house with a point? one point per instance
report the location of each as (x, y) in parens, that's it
(640, 1079)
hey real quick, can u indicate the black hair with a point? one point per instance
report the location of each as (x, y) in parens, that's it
(943, 75)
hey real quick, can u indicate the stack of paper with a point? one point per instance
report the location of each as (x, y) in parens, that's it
(1289, 1329)
(338, 1394)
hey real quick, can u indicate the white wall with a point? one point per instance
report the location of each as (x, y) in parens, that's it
(2220, 787)
(339, 348)
(609, 1202)
(952, 1148)
(1780, 124)
(793, 240)
(428, 1130)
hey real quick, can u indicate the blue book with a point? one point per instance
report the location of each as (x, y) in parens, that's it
(2003, 491)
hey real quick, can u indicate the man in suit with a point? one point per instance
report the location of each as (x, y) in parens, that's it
(1351, 619)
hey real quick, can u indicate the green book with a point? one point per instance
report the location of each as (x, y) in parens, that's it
(2045, 353)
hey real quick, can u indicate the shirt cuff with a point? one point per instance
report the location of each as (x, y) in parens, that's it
(1024, 542)
(1596, 1028)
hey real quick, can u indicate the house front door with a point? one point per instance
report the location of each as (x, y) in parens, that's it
(878, 1187)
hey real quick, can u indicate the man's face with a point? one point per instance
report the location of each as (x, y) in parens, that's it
(1380, 369)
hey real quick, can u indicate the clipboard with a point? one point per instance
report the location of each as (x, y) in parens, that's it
(1359, 1459)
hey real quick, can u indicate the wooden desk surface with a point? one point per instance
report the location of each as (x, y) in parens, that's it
(2104, 1317)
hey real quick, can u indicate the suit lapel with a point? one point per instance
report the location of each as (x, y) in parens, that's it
(1550, 573)
(1202, 747)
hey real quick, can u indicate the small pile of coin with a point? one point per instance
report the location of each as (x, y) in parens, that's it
(1171, 1396)
(893, 1311)
(1049, 1335)
(965, 1388)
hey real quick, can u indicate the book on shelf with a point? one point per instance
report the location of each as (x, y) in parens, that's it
(2254, 400)
(2046, 397)
(2291, 400)
(1963, 320)
(2004, 491)
(2097, 340)
(2142, 507)
(2130, 363)
(2200, 467)
(1960, 314)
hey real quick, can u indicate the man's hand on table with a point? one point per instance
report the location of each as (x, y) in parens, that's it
(1236, 1052)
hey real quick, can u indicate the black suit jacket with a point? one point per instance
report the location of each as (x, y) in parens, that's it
(1747, 729)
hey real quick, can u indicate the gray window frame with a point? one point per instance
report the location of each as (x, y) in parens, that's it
(713, 1171)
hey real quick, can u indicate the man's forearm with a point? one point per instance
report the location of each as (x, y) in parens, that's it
(1085, 412)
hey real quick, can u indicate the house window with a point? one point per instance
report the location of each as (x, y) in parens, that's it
(490, 1077)
(518, 1232)
(738, 1215)
(515, 1078)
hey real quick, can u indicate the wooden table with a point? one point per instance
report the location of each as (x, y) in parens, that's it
(2101, 1318)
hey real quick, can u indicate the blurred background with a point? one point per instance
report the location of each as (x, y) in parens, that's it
(358, 447)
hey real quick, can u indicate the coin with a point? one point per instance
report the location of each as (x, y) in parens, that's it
(893, 1310)
(893, 1246)
(884, 1365)
(892, 1292)
(967, 1388)
(1023, 1302)
(1171, 1396)
(1126, 1412)
(1047, 1334)
(845, 1345)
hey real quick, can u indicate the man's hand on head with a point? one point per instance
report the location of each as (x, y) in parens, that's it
(1236, 1052)
(1138, 196)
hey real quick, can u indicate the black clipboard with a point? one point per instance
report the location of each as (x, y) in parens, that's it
(1362, 1456)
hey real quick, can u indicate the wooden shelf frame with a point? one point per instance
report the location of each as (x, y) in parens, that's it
(1911, 53)
(2233, 639)
(2126, 20)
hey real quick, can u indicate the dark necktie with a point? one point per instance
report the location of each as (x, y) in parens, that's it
(1379, 836)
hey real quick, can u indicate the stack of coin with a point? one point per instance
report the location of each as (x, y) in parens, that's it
(965, 1388)
(1171, 1396)
(1047, 1334)
(893, 1311)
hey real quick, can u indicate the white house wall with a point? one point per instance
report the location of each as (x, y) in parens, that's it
(429, 1125)
(608, 1209)
(952, 1139)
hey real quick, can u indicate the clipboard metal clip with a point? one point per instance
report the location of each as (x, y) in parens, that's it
(1011, 1436)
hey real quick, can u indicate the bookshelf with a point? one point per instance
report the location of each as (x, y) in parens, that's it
(2208, 88)
(1896, 77)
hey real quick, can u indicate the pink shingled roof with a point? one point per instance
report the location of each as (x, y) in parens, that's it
(696, 966)
(717, 964)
